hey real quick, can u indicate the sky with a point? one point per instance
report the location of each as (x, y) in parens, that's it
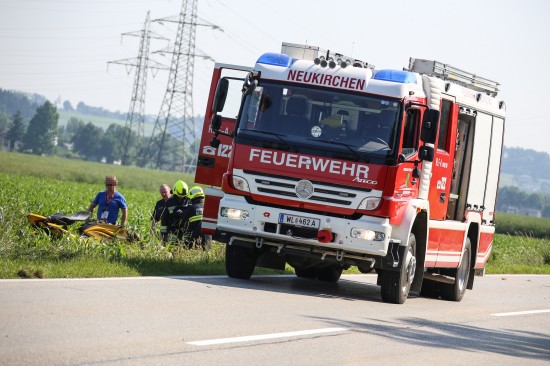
(62, 48)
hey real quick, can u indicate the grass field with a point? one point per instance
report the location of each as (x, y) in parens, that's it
(519, 225)
(66, 170)
(46, 186)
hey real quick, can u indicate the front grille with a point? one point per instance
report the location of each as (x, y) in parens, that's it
(273, 183)
(325, 193)
(330, 200)
(277, 192)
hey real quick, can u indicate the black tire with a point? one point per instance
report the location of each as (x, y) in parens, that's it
(456, 291)
(305, 272)
(239, 261)
(430, 289)
(329, 274)
(395, 285)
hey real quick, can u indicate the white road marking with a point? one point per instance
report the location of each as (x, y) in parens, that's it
(267, 336)
(514, 313)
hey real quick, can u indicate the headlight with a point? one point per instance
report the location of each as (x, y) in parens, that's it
(370, 203)
(240, 183)
(366, 234)
(234, 213)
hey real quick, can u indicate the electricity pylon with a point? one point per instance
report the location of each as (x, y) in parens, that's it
(173, 143)
(135, 119)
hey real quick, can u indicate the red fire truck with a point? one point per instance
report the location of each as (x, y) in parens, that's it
(322, 161)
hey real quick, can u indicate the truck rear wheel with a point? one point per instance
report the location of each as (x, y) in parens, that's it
(430, 289)
(239, 261)
(395, 285)
(456, 291)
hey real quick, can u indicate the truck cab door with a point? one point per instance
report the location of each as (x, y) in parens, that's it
(443, 163)
(212, 162)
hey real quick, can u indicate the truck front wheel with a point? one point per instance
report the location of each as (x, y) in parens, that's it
(303, 272)
(395, 285)
(239, 261)
(329, 273)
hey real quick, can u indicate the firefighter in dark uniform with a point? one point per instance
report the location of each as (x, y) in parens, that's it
(196, 208)
(173, 222)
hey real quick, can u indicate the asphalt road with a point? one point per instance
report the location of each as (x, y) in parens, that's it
(279, 320)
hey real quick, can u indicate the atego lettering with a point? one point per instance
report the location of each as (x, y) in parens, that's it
(309, 163)
(336, 81)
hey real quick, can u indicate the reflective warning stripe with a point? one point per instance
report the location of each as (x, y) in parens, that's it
(195, 218)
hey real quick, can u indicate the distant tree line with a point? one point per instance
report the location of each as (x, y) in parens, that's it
(81, 140)
(39, 135)
(13, 101)
(93, 111)
(513, 200)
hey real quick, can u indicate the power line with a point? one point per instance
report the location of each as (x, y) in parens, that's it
(173, 144)
(135, 119)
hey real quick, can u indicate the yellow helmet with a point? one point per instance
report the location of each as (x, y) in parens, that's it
(180, 188)
(195, 192)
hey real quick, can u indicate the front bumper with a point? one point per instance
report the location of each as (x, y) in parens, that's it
(263, 223)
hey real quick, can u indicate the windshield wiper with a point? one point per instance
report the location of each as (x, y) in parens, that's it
(277, 135)
(347, 146)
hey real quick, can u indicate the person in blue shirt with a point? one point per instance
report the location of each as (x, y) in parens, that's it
(110, 202)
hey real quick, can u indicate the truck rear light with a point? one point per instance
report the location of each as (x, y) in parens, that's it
(240, 183)
(234, 213)
(367, 234)
(370, 203)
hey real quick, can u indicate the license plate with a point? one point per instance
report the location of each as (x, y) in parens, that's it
(299, 221)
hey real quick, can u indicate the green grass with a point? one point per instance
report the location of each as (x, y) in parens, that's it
(521, 225)
(67, 170)
(46, 186)
(519, 254)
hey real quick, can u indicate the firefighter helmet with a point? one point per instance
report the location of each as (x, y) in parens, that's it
(180, 188)
(195, 192)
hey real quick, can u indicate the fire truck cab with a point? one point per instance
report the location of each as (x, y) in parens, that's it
(322, 161)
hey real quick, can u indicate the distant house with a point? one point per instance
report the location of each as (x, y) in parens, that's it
(523, 211)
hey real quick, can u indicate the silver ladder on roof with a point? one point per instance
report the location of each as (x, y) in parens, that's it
(448, 72)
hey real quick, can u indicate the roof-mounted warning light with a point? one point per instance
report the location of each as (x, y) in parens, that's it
(275, 59)
(397, 76)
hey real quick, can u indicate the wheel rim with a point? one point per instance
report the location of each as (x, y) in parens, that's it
(462, 270)
(410, 271)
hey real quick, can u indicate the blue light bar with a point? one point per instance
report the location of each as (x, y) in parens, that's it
(396, 76)
(275, 59)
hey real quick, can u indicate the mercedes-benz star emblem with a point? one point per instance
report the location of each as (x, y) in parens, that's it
(304, 189)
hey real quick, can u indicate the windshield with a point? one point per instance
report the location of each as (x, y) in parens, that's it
(365, 124)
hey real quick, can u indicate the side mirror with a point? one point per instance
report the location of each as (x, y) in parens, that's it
(216, 122)
(221, 95)
(426, 153)
(429, 126)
